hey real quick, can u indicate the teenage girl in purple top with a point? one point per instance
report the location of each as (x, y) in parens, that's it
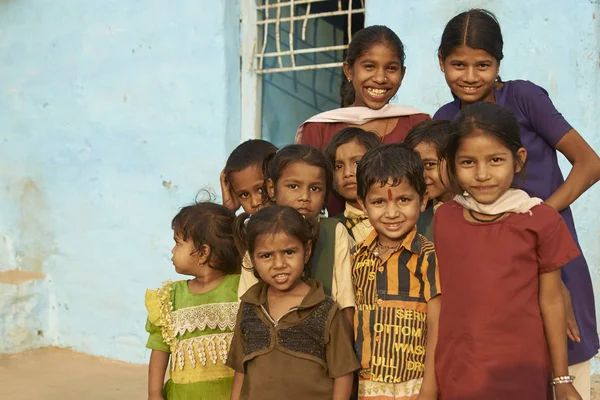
(469, 54)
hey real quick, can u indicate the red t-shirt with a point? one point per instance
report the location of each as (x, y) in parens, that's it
(318, 134)
(491, 342)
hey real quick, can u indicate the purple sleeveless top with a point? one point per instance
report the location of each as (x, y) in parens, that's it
(542, 127)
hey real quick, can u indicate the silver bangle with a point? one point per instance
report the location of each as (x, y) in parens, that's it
(562, 379)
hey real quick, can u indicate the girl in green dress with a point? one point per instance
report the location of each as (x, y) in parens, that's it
(191, 321)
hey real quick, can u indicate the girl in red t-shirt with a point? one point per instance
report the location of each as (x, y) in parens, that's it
(502, 330)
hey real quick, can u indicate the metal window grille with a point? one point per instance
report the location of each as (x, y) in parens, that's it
(279, 15)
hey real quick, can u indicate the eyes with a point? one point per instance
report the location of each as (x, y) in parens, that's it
(493, 161)
(390, 68)
(267, 256)
(482, 66)
(340, 165)
(294, 186)
(379, 202)
(245, 195)
(430, 165)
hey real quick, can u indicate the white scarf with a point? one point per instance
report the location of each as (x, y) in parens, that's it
(512, 201)
(358, 116)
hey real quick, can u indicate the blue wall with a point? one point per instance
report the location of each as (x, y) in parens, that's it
(112, 115)
(555, 44)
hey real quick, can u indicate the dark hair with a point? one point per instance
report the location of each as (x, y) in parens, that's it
(294, 153)
(476, 28)
(361, 42)
(394, 162)
(367, 140)
(249, 153)
(493, 120)
(272, 220)
(435, 132)
(210, 224)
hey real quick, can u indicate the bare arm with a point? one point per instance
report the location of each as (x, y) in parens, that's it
(156, 374)
(552, 307)
(342, 387)
(585, 171)
(429, 390)
(236, 390)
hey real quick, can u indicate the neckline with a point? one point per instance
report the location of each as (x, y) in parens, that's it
(498, 221)
(187, 286)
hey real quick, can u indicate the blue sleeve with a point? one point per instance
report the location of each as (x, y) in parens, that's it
(544, 118)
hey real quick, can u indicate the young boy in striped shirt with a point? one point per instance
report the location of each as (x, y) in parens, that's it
(395, 276)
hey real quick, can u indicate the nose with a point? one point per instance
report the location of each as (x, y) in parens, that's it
(380, 76)
(350, 171)
(471, 75)
(482, 173)
(279, 261)
(304, 194)
(173, 251)
(391, 210)
(256, 200)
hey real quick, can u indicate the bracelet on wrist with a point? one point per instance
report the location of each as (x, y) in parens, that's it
(558, 380)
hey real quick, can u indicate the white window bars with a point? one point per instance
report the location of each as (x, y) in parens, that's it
(269, 12)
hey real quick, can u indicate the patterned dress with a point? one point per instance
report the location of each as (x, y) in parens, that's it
(196, 329)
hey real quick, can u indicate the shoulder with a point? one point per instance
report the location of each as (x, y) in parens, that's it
(447, 111)
(448, 208)
(542, 217)
(522, 90)
(418, 118)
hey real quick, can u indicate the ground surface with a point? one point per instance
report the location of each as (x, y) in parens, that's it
(53, 374)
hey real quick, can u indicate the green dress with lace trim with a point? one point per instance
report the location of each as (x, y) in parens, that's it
(196, 329)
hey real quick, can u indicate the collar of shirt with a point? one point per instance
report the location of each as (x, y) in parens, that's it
(257, 294)
(411, 242)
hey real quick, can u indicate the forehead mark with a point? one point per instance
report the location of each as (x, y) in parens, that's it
(390, 194)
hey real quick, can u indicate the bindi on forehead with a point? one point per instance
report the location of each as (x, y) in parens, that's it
(390, 196)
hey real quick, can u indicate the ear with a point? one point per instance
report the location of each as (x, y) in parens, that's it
(520, 161)
(271, 189)
(402, 74)
(424, 201)
(441, 62)
(361, 205)
(307, 251)
(347, 71)
(204, 253)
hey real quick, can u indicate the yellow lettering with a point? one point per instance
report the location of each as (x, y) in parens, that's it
(372, 276)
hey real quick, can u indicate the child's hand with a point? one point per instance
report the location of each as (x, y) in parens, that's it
(229, 199)
(566, 391)
(155, 397)
(572, 328)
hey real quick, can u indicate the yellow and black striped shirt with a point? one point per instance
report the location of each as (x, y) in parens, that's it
(390, 325)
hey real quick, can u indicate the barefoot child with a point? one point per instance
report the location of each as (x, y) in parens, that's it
(502, 323)
(243, 179)
(300, 176)
(428, 139)
(290, 340)
(395, 275)
(344, 151)
(191, 322)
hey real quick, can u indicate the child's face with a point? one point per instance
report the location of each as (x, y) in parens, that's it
(347, 157)
(393, 210)
(376, 76)
(436, 174)
(485, 168)
(185, 258)
(301, 186)
(471, 74)
(279, 259)
(247, 186)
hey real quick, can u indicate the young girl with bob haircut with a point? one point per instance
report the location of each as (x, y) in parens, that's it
(470, 53)
(290, 340)
(374, 69)
(191, 322)
(502, 328)
(300, 176)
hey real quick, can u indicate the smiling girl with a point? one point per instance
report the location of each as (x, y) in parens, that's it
(375, 67)
(290, 340)
(470, 53)
(502, 329)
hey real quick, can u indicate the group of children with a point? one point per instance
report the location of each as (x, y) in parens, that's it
(287, 303)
